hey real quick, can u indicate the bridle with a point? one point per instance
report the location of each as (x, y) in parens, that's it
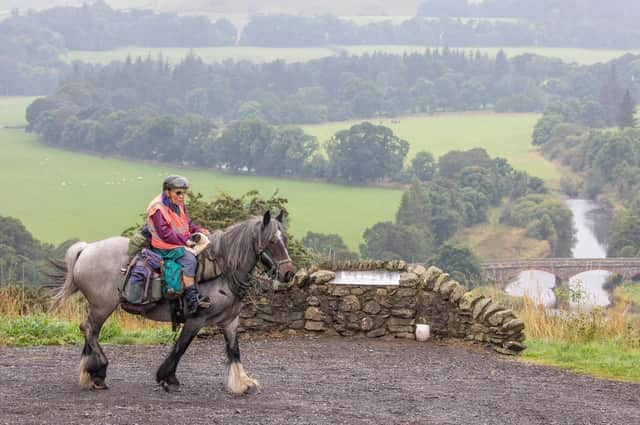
(265, 255)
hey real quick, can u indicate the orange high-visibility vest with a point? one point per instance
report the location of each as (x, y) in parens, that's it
(179, 224)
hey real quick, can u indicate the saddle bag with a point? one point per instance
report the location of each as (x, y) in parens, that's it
(143, 279)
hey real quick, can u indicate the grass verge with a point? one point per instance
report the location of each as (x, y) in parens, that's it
(25, 320)
(598, 358)
(599, 342)
(42, 329)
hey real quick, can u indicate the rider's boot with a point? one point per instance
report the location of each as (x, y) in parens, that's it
(194, 301)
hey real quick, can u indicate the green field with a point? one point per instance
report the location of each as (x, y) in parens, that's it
(12, 110)
(504, 135)
(301, 54)
(59, 195)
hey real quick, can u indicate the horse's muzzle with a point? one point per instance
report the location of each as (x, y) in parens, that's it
(288, 276)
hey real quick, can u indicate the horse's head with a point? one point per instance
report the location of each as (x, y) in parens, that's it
(272, 248)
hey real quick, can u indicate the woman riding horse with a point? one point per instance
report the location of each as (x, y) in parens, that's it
(171, 228)
(94, 270)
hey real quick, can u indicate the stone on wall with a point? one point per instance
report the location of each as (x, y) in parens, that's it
(467, 300)
(498, 318)
(371, 307)
(457, 294)
(312, 325)
(410, 280)
(301, 278)
(366, 323)
(479, 307)
(322, 276)
(447, 287)
(403, 312)
(433, 273)
(349, 303)
(314, 313)
(444, 277)
(376, 333)
(406, 292)
(400, 328)
(514, 325)
(489, 311)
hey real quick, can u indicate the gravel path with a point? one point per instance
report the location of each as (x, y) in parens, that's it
(311, 381)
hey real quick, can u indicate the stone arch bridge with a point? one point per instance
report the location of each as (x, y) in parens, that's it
(502, 271)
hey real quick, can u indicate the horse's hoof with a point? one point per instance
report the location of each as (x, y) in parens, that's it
(253, 389)
(99, 386)
(170, 387)
(248, 388)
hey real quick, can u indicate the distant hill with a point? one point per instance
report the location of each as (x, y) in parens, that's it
(307, 7)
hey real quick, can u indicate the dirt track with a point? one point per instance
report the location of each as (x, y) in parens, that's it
(311, 381)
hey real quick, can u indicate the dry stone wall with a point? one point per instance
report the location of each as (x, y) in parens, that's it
(424, 295)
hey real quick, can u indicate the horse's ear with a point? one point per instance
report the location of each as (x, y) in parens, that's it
(266, 219)
(280, 216)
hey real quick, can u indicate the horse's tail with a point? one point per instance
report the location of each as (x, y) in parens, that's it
(66, 278)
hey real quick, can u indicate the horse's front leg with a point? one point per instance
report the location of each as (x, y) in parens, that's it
(238, 382)
(166, 374)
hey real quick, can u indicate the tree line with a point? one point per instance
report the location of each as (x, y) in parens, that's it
(583, 23)
(539, 10)
(365, 153)
(337, 88)
(613, 106)
(99, 27)
(333, 88)
(328, 30)
(564, 31)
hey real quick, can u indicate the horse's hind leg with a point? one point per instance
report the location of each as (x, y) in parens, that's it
(166, 374)
(238, 382)
(93, 366)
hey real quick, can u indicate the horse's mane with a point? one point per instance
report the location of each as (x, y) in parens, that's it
(233, 248)
(235, 244)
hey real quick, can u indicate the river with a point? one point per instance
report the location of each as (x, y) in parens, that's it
(591, 221)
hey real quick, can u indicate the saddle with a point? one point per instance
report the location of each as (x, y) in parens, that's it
(148, 279)
(142, 286)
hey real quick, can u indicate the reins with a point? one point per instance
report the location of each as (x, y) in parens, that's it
(239, 285)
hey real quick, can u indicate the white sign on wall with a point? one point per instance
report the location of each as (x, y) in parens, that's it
(366, 277)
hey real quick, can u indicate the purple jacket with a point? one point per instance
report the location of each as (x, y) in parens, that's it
(165, 231)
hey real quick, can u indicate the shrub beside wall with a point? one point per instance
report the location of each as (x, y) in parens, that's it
(429, 296)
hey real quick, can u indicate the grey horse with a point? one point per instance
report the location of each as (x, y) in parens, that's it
(94, 270)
